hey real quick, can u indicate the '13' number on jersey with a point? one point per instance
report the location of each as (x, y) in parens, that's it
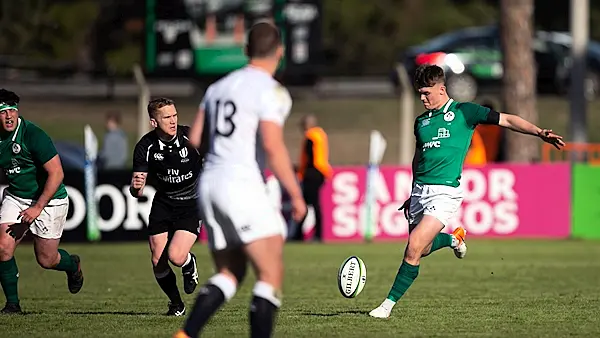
(224, 112)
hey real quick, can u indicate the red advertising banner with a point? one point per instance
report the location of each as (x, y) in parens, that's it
(523, 201)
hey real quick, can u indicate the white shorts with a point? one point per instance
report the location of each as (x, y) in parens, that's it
(48, 225)
(439, 201)
(237, 212)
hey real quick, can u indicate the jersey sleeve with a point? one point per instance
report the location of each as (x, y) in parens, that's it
(475, 114)
(39, 144)
(140, 157)
(276, 104)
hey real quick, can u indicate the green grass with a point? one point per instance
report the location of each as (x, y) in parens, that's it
(501, 289)
(348, 122)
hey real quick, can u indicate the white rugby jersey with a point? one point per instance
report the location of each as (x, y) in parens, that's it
(233, 108)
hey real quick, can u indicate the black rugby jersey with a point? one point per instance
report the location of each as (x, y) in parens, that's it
(173, 166)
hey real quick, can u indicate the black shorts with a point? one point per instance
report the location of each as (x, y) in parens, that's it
(168, 216)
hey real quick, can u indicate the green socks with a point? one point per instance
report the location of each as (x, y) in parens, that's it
(66, 263)
(440, 241)
(9, 279)
(405, 277)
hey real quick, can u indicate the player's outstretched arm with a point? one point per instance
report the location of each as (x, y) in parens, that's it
(518, 124)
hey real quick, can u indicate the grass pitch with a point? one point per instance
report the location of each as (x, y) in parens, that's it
(501, 289)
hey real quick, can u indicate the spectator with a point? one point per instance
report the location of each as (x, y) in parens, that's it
(493, 138)
(115, 146)
(476, 156)
(313, 169)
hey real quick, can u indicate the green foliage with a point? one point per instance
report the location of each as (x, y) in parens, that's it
(121, 60)
(367, 35)
(46, 30)
(70, 26)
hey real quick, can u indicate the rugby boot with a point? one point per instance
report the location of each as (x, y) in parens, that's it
(190, 275)
(181, 334)
(11, 309)
(176, 310)
(75, 279)
(460, 250)
(384, 310)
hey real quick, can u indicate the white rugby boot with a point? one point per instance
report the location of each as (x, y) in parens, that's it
(384, 310)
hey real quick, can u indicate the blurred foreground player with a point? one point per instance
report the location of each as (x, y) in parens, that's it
(245, 113)
(443, 134)
(173, 226)
(34, 200)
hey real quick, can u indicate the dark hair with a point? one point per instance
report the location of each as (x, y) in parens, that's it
(429, 75)
(155, 104)
(8, 97)
(263, 40)
(113, 115)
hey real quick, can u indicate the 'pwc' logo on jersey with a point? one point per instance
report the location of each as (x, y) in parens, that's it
(173, 176)
(15, 167)
(431, 144)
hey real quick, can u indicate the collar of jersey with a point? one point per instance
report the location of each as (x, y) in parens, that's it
(442, 110)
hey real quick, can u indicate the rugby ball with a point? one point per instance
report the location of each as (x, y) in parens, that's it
(352, 277)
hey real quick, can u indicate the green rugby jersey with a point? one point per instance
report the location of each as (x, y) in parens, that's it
(23, 154)
(444, 136)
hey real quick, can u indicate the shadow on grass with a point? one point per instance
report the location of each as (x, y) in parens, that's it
(118, 313)
(336, 313)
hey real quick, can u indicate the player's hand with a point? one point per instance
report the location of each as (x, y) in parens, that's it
(299, 209)
(138, 181)
(406, 207)
(29, 215)
(549, 137)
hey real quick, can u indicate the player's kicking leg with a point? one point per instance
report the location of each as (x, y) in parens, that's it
(180, 255)
(424, 239)
(165, 277)
(231, 266)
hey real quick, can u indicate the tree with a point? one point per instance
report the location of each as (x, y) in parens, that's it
(519, 81)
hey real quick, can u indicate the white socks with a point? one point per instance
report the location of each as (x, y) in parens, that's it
(388, 304)
(266, 291)
(225, 284)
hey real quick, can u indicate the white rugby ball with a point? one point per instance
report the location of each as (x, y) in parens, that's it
(352, 277)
